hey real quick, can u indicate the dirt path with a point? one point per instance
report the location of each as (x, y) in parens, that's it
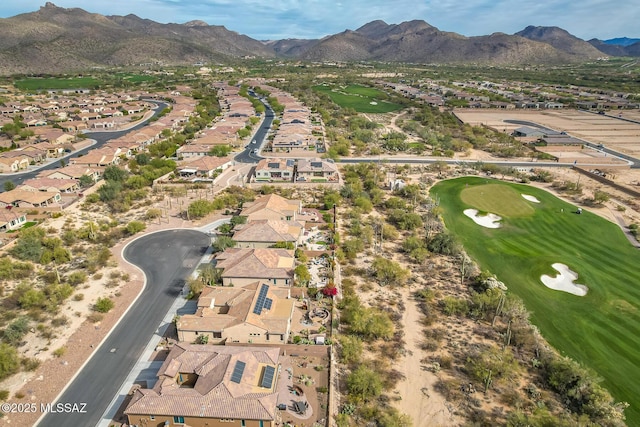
(420, 401)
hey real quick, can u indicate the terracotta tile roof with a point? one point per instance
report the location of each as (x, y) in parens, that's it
(269, 231)
(274, 203)
(32, 197)
(316, 164)
(207, 163)
(45, 184)
(222, 307)
(256, 263)
(214, 394)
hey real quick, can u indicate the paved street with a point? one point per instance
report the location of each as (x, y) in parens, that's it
(167, 258)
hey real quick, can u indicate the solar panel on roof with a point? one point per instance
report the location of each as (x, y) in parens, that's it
(262, 297)
(238, 370)
(267, 377)
(267, 303)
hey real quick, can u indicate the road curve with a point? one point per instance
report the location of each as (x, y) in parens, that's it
(167, 259)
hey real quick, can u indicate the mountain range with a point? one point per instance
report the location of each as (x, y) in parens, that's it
(55, 39)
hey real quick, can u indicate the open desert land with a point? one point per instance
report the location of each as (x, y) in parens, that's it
(614, 133)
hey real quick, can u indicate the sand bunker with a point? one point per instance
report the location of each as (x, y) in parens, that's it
(373, 103)
(564, 281)
(490, 220)
(533, 199)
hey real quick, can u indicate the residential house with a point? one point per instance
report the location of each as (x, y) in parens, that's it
(29, 199)
(528, 132)
(26, 157)
(265, 233)
(74, 172)
(215, 386)
(256, 313)
(268, 170)
(317, 170)
(105, 156)
(10, 220)
(189, 151)
(50, 150)
(51, 185)
(9, 163)
(206, 166)
(272, 206)
(54, 136)
(242, 266)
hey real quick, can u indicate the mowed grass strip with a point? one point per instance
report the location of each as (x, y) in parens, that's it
(359, 98)
(600, 330)
(56, 83)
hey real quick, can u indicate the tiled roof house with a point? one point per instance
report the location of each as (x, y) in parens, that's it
(203, 385)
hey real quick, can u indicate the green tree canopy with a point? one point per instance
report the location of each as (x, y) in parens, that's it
(364, 383)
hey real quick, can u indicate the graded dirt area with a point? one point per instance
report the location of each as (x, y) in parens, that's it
(610, 130)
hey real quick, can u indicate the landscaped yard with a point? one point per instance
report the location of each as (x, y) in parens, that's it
(600, 329)
(360, 98)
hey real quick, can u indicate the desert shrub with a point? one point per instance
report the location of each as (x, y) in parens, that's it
(59, 321)
(59, 352)
(446, 362)
(452, 306)
(350, 349)
(29, 364)
(16, 330)
(444, 244)
(364, 383)
(14, 269)
(95, 317)
(134, 227)
(76, 278)
(153, 213)
(491, 365)
(103, 305)
(9, 360)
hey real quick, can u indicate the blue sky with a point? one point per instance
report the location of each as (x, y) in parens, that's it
(262, 20)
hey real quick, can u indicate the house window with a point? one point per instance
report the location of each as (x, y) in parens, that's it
(261, 423)
(217, 334)
(152, 417)
(178, 420)
(243, 423)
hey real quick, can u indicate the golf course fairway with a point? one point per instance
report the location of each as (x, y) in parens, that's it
(600, 329)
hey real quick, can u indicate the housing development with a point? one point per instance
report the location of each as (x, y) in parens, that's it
(333, 232)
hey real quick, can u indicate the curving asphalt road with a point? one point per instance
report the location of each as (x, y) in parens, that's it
(167, 259)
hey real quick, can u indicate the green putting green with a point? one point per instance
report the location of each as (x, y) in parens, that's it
(600, 329)
(360, 98)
